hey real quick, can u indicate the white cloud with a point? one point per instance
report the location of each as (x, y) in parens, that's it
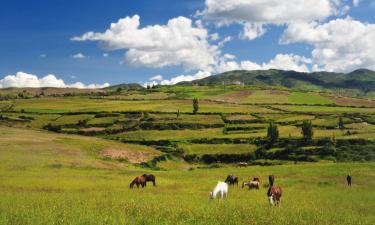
(252, 31)
(256, 13)
(179, 42)
(78, 56)
(22, 79)
(105, 55)
(180, 78)
(339, 45)
(43, 55)
(157, 78)
(269, 11)
(356, 2)
(281, 62)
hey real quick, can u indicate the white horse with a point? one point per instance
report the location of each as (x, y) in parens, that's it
(221, 188)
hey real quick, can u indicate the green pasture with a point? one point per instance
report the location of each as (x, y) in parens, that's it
(201, 149)
(308, 98)
(60, 179)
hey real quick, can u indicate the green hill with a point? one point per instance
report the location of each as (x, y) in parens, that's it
(358, 82)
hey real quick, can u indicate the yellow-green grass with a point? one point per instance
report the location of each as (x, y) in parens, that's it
(254, 96)
(37, 123)
(174, 135)
(312, 194)
(27, 148)
(324, 109)
(201, 149)
(80, 104)
(184, 118)
(240, 117)
(72, 119)
(286, 117)
(308, 98)
(142, 96)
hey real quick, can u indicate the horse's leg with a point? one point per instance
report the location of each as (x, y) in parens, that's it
(154, 182)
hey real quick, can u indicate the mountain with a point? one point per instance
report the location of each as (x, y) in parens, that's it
(131, 86)
(361, 80)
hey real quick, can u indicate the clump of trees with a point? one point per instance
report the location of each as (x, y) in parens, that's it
(195, 106)
(272, 133)
(307, 131)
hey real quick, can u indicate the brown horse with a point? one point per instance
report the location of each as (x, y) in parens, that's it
(274, 195)
(150, 177)
(138, 181)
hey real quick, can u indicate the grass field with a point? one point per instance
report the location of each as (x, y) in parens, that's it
(37, 187)
(48, 177)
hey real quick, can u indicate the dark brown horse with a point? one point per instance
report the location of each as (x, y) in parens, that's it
(138, 181)
(231, 180)
(150, 177)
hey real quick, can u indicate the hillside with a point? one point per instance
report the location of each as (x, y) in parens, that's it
(358, 82)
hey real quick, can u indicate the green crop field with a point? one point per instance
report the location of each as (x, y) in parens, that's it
(69, 159)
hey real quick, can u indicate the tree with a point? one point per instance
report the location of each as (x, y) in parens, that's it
(307, 131)
(341, 123)
(178, 113)
(272, 133)
(195, 106)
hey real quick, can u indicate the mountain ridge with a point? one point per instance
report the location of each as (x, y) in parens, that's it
(361, 80)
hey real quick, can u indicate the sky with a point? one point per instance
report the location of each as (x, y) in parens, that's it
(93, 44)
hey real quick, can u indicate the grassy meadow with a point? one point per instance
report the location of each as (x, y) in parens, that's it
(69, 158)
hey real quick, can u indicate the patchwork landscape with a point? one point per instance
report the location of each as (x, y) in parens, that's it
(68, 156)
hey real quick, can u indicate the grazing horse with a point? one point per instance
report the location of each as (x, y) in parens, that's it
(256, 179)
(221, 188)
(271, 180)
(149, 177)
(231, 180)
(251, 185)
(349, 180)
(242, 164)
(274, 195)
(138, 181)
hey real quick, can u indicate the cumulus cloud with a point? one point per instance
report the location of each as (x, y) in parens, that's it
(157, 78)
(21, 79)
(339, 45)
(270, 11)
(177, 79)
(179, 42)
(252, 31)
(254, 14)
(281, 61)
(78, 56)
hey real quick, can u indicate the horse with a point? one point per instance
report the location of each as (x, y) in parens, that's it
(256, 179)
(149, 177)
(271, 180)
(242, 164)
(231, 180)
(349, 180)
(138, 181)
(221, 188)
(274, 195)
(251, 185)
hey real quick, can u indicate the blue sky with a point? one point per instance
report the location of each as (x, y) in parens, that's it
(36, 38)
